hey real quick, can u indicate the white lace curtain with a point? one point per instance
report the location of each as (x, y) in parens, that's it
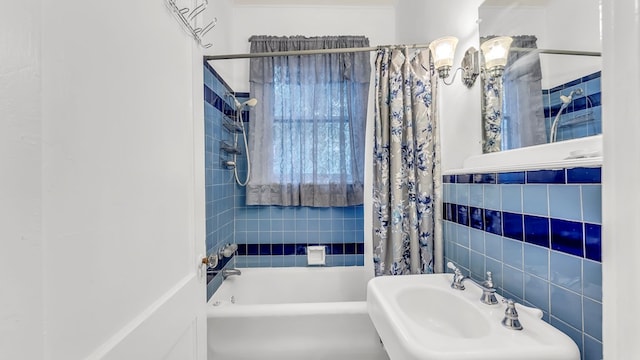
(306, 135)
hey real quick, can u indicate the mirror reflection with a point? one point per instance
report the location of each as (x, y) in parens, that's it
(550, 88)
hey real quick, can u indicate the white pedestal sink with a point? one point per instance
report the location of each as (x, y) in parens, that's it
(420, 317)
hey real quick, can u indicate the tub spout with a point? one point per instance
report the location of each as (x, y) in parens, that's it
(229, 272)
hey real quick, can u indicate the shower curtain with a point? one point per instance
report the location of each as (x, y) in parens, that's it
(407, 182)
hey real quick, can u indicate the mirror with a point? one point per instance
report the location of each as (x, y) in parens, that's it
(550, 89)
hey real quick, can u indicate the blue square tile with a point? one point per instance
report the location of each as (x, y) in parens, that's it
(592, 280)
(477, 241)
(477, 266)
(463, 215)
(462, 194)
(564, 202)
(511, 177)
(449, 212)
(512, 198)
(536, 291)
(566, 306)
(546, 177)
(566, 271)
(536, 230)
(265, 249)
(477, 218)
(463, 256)
(536, 261)
(476, 196)
(493, 221)
(512, 226)
(464, 179)
(593, 318)
(567, 236)
(593, 242)
(513, 281)
(492, 197)
(253, 249)
(584, 175)
(448, 179)
(512, 253)
(495, 267)
(592, 349)
(493, 246)
(463, 235)
(592, 203)
(484, 178)
(535, 200)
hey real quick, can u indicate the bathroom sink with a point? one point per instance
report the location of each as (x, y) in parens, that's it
(420, 317)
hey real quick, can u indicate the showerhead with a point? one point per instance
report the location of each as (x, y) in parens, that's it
(569, 98)
(251, 103)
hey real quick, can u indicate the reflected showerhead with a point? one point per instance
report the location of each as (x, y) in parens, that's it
(567, 99)
(251, 103)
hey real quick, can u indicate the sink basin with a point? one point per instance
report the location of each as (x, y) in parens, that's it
(422, 317)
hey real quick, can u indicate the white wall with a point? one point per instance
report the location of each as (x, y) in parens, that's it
(20, 187)
(420, 22)
(620, 214)
(117, 167)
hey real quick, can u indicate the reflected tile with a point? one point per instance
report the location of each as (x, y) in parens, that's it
(493, 221)
(593, 242)
(513, 226)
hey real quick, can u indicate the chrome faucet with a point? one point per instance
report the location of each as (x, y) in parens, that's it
(229, 272)
(510, 320)
(488, 290)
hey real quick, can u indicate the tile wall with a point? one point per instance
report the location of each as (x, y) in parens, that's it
(219, 186)
(538, 232)
(267, 236)
(583, 117)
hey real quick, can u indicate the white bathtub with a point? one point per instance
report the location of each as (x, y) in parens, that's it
(293, 314)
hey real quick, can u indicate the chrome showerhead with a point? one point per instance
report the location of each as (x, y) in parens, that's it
(251, 103)
(566, 99)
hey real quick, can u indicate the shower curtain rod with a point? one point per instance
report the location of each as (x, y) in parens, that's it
(375, 48)
(312, 52)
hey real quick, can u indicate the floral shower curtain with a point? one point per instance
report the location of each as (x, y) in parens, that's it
(407, 181)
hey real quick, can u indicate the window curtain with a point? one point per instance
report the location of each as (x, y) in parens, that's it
(407, 180)
(306, 134)
(513, 109)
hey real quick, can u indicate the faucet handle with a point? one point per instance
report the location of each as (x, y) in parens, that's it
(510, 320)
(489, 281)
(451, 266)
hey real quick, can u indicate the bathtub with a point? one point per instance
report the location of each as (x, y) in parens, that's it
(293, 314)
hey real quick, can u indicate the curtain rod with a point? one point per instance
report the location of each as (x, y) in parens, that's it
(312, 52)
(368, 49)
(557, 52)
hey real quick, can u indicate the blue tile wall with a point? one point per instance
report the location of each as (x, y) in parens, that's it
(267, 236)
(274, 236)
(583, 117)
(219, 186)
(539, 233)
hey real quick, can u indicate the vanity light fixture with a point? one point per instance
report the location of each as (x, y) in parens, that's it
(495, 52)
(443, 50)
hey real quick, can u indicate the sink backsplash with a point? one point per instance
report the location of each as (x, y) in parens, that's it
(538, 232)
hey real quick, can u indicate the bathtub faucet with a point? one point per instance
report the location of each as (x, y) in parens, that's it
(229, 272)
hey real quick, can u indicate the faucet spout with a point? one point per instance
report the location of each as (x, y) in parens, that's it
(229, 272)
